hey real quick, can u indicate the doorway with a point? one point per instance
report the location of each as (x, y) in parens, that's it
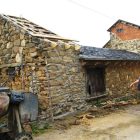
(95, 81)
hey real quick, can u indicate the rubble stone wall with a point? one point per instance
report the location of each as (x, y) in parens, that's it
(129, 45)
(119, 77)
(66, 75)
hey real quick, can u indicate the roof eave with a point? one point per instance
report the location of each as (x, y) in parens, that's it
(94, 59)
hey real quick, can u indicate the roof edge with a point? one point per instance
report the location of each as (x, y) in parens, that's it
(125, 22)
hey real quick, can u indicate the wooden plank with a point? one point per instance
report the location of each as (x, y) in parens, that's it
(77, 47)
(47, 77)
(67, 46)
(96, 97)
(53, 45)
(53, 37)
(17, 119)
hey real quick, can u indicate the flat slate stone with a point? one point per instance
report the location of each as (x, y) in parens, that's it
(92, 53)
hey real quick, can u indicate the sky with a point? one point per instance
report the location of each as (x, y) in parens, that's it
(84, 20)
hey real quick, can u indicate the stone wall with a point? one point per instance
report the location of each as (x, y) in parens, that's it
(66, 75)
(128, 39)
(119, 76)
(130, 45)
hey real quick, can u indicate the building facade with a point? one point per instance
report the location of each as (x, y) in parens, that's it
(64, 75)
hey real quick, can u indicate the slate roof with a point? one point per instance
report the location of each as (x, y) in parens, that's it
(33, 28)
(125, 22)
(92, 53)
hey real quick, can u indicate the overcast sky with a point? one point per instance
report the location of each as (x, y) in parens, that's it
(84, 20)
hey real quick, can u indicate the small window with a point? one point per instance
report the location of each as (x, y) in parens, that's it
(119, 30)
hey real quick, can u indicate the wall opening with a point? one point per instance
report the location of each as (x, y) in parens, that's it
(95, 81)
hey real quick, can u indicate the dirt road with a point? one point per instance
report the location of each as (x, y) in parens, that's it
(121, 125)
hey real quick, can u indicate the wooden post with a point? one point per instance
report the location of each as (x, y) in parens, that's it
(23, 80)
(32, 80)
(18, 119)
(47, 76)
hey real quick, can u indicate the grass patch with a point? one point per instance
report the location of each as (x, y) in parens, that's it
(36, 130)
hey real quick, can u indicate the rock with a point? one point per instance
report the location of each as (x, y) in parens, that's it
(33, 54)
(27, 128)
(62, 53)
(38, 73)
(93, 110)
(58, 60)
(51, 60)
(9, 45)
(17, 42)
(58, 111)
(32, 50)
(28, 59)
(18, 59)
(80, 107)
(52, 68)
(20, 49)
(67, 59)
(56, 74)
(79, 117)
(28, 74)
(41, 126)
(89, 116)
(16, 49)
(71, 109)
(29, 45)
(21, 36)
(23, 42)
(57, 99)
(35, 40)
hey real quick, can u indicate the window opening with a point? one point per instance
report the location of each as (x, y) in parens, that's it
(119, 30)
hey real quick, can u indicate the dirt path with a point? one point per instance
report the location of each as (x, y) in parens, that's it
(121, 125)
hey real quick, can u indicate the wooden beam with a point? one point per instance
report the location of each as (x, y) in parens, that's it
(97, 63)
(83, 63)
(53, 45)
(67, 46)
(107, 63)
(52, 37)
(77, 47)
(18, 119)
(116, 63)
(96, 97)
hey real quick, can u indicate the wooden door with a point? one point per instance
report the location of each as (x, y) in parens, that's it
(95, 81)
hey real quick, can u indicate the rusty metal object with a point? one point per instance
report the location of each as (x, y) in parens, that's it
(28, 109)
(24, 111)
(4, 103)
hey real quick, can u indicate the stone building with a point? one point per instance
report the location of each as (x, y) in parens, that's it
(63, 74)
(123, 36)
(29, 45)
(110, 70)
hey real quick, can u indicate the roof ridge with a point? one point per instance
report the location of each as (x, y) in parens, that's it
(34, 29)
(125, 22)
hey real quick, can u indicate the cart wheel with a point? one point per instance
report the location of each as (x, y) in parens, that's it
(24, 136)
